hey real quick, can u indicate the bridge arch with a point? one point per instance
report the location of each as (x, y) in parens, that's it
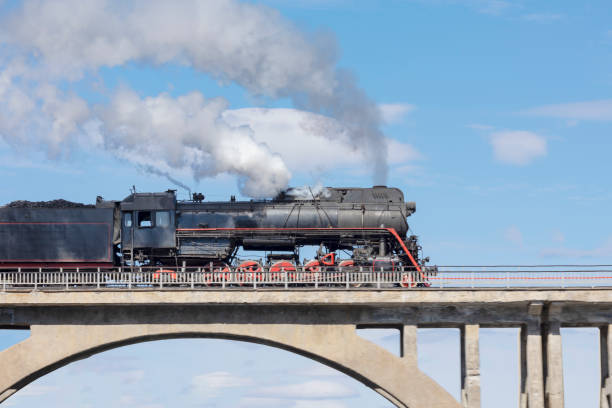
(338, 346)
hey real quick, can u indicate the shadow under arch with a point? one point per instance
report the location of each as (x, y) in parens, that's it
(338, 347)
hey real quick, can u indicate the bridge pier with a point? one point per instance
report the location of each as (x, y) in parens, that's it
(553, 359)
(605, 349)
(408, 346)
(531, 359)
(470, 366)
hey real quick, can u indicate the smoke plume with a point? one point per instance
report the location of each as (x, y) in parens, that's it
(153, 170)
(45, 45)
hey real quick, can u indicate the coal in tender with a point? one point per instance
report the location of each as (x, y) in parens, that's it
(60, 203)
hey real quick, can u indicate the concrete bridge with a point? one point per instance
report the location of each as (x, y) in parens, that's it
(320, 324)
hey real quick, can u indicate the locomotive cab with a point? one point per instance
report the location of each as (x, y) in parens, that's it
(148, 226)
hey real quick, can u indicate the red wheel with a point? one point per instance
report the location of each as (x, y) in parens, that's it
(311, 269)
(164, 272)
(312, 266)
(278, 269)
(220, 272)
(407, 281)
(350, 265)
(248, 271)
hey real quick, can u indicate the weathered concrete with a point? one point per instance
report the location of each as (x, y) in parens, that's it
(368, 297)
(605, 348)
(532, 378)
(62, 335)
(470, 366)
(408, 346)
(553, 358)
(69, 325)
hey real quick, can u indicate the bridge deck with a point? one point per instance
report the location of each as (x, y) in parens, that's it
(304, 296)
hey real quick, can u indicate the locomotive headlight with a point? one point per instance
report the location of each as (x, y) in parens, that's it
(410, 207)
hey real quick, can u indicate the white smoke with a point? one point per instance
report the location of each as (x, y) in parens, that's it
(189, 132)
(308, 192)
(46, 43)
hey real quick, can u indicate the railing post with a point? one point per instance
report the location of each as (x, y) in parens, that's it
(378, 279)
(286, 283)
(65, 277)
(562, 280)
(98, 278)
(316, 274)
(130, 277)
(346, 276)
(191, 277)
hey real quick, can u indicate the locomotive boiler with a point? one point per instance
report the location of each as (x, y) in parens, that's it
(345, 226)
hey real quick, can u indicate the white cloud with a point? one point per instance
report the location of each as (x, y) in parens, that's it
(517, 147)
(491, 7)
(256, 402)
(602, 251)
(600, 110)
(33, 390)
(542, 17)
(395, 112)
(132, 376)
(480, 126)
(315, 389)
(318, 404)
(320, 371)
(207, 385)
(494, 7)
(132, 401)
(558, 236)
(309, 142)
(514, 235)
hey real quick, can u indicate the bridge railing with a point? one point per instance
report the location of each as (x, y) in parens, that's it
(556, 276)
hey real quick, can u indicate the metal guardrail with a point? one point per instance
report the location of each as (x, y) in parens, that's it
(560, 276)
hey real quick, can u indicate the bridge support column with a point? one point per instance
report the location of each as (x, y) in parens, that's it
(409, 344)
(470, 367)
(531, 364)
(553, 359)
(605, 349)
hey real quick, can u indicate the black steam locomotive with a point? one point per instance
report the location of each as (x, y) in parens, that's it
(368, 225)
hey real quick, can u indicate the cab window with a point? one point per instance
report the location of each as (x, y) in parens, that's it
(162, 218)
(127, 220)
(144, 219)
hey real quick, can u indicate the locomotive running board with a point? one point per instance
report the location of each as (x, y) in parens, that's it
(259, 232)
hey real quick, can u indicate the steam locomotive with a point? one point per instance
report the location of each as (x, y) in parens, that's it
(368, 225)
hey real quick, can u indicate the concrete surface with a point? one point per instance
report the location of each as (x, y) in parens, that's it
(70, 325)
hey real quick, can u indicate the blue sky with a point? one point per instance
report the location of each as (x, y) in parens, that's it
(498, 115)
